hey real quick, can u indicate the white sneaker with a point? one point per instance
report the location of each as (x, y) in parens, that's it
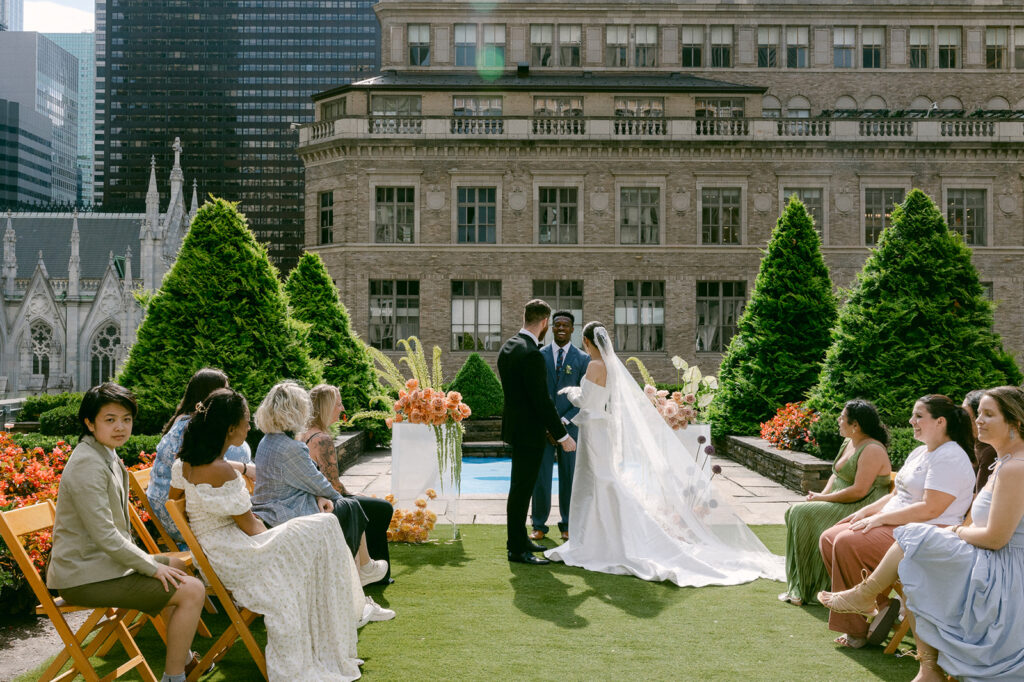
(372, 611)
(372, 571)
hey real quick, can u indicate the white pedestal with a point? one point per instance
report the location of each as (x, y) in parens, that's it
(688, 437)
(414, 470)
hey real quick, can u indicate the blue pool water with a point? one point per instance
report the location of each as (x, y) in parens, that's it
(490, 475)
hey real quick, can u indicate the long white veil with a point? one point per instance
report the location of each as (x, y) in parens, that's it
(671, 482)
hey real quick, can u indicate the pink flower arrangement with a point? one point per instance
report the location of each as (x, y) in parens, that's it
(427, 406)
(677, 410)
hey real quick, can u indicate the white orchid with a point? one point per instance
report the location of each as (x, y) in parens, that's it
(679, 363)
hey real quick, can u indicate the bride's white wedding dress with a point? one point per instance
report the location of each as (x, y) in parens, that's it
(640, 505)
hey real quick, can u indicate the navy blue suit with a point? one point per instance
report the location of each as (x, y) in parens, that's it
(574, 366)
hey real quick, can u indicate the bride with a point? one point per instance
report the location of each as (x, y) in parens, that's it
(641, 505)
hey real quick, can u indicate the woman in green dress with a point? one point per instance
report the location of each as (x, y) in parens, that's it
(860, 475)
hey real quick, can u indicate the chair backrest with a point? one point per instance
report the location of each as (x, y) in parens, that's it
(20, 522)
(892, 480)
(176, 508)
(138, 481)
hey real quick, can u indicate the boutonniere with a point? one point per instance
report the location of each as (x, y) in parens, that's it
(568, 369)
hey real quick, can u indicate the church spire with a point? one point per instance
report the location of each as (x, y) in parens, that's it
(152, 197)
(74, 264)
(10, 259)
(41, 265)
(177, 177)
(194, 208)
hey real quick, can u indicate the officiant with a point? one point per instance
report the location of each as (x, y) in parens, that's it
(566, 364)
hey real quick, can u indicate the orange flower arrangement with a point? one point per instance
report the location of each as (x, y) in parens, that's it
(427, 406)
(412, 525)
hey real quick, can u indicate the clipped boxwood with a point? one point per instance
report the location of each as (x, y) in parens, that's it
(59, 421)
(37, 404)
(480, 388)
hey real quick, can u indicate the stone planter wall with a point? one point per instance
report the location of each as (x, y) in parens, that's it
(796, 470)
(348, 446)
(482, 430)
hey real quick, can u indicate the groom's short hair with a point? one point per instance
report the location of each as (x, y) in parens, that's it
(564, 313)
(536, 310)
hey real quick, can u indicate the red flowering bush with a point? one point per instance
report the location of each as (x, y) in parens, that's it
(790, 428)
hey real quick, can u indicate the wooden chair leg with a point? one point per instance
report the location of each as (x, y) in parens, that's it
(62, 658)
(897, 637)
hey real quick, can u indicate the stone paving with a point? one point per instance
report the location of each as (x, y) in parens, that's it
(757, 500)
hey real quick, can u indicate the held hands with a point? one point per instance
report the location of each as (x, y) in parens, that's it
(573, 393)
(568, 445)
(170, 576)
(326, 505)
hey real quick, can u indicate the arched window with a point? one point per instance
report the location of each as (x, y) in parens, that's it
(846, 103)
(951, 104)
(997, 104)
(103, 352)
(921, 103)
(41, 336)
(874, 103)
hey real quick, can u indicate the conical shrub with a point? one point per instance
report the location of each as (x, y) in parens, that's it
(221, 305)
(480, 388)
(776, 354)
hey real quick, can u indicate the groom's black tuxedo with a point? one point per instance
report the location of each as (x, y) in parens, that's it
(529, 414)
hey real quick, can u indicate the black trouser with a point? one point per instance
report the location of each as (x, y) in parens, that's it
(525, 467)
(378, 518)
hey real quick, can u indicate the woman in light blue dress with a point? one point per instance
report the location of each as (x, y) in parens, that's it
(965, 585)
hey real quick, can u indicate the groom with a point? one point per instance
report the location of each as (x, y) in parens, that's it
(566, 365)
(529, 416)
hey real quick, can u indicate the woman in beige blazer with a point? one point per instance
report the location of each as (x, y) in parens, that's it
(94, 561)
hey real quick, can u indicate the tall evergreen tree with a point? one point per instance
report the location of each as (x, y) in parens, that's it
(221, 305)
(776, 354)
(916, 322)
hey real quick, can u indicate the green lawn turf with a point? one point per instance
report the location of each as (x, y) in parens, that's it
(465, 613)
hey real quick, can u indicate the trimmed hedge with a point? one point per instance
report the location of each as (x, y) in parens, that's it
(480, 388)
(901, 444)
(35, 405)
(59, 420)
(129, 451)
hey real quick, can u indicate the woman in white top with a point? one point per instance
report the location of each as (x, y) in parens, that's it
(935, 485)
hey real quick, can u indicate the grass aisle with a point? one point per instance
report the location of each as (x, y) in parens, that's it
(465, 613)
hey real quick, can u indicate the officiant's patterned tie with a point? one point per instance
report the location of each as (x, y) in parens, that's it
(561, 357)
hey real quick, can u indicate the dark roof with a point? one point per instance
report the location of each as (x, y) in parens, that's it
(99, 234)
(509, 80)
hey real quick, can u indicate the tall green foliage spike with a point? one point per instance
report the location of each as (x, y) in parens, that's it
(776, 354)
(221, 305)
(346, 363)
(916, 322)
(480, 388)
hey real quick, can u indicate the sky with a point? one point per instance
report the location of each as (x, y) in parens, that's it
(59, 16)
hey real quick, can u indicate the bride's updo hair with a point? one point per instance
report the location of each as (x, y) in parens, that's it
(591, 329)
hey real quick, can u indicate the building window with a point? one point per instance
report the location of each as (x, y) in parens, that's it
(878, 205)
(494, 45)
(872, 52)
(767, 47)
(1018, 47)
(719, 306)
(476, 315)
(844, 40)
(557, 106)
(720, 215)
(692, 40)
(394, 311)
(557, 215)
(569, 42)
(639, 221)
(646, 108)
(326, 218)
(639, 315)
(396, 114)
(541, 44)
(797, 45)
(988, 291)
(103, 352)
(616, 45)
(563, 294)
(477, 214)
(719, 108)
(646, 46)
(330, 111)
(721, 46)
(996, 40)
(466, 109)
(813, 200)
(465, 44)
(965, 213)
(394, 215)
(419, 44)
(41, 336)
(949, 47)
(920, 46)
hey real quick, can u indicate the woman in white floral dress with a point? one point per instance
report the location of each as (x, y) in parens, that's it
(299, 575)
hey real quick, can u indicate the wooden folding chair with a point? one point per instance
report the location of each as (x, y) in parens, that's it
(138, 481)
(108, 622)
(903, 627)
(240, 619)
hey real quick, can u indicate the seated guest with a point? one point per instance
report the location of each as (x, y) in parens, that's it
(94, 562)
(860, 475)
(202, 383)
(935, 485)
(287, 484)
(327, 408)
(298, 574)
(965, 585)
(984, 454)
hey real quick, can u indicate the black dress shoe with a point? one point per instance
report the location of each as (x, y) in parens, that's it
(527, 558)
(534, 547)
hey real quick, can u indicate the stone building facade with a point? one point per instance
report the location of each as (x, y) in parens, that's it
(68, 312)
(629, 161)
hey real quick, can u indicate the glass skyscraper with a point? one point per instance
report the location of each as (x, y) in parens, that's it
(12, 15)
(83, 46)
(228, 77)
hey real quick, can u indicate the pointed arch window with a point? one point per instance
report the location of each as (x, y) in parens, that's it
(103, 354)
(41, 335)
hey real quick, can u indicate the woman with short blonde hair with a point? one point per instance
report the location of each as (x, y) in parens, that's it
(285, 409)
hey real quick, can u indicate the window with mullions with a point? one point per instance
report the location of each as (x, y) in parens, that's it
(330, 111)
(872, 47)
(720, 215)
(878, 205)
(721, 46)
(920, 46)
(476, 315)
(558, 106)
(569, 43)
(419, 44)
(692, 41)
(41, 340)
(949, 47)
(563, 294)
(719, 108)
(965, 213)
(326, 218)
(1018, 47)
(477, 215)
(719, 306)
(844, 40)
(616, 45)
(394, 311)
(494, 45)
(394, 215)
(639, 315)
(767, 47)
(797, 47)
(465, 44)
(557, 218)
(541, 44)
(645, 49)
(103, 352)
(996, 41)
(812, 199)
(639, 222)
